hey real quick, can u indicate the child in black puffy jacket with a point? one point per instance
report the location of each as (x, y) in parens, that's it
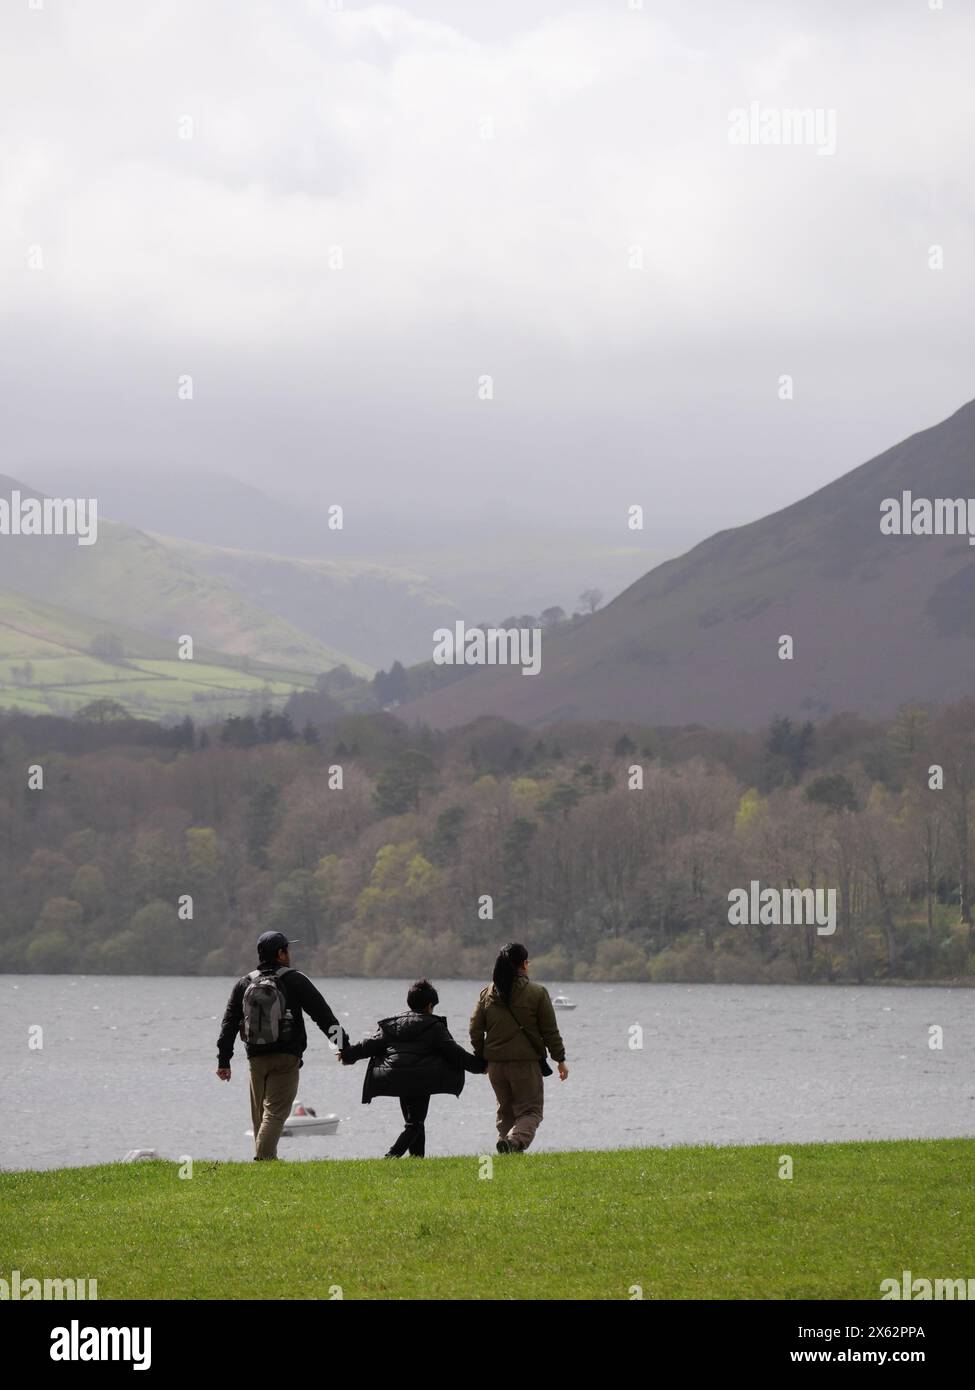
(413, 1057)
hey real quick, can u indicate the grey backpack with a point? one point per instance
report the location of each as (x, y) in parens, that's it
(267, 1019)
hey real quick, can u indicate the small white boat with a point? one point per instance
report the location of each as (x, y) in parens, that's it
(304, 1120)
(562, 1001)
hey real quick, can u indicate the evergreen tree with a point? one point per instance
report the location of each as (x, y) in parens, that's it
(400, 783)
(261, 810)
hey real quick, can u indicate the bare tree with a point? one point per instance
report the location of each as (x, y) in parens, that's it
(953, 747)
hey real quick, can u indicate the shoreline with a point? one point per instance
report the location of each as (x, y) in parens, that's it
(477, 1156)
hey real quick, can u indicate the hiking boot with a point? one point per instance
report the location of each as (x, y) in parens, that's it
(508, 1146)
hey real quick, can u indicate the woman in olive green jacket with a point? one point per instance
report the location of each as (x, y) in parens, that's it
(512, 1027)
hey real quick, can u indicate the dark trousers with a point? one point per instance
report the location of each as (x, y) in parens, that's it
(413, 1139)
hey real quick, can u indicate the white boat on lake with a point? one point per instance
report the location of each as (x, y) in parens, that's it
(562, 1001)
(304, 1120)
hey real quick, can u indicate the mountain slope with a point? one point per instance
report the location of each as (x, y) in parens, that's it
(132, 579)
(378, 613)
(381, 611)
(877, 620)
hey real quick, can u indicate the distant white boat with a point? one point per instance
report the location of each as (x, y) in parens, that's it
(304, 1120)
(562, 1001)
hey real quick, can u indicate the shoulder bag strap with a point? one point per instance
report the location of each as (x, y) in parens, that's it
(539, 1055)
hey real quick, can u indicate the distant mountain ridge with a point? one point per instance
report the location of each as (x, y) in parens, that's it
(375, 590)
(876, 620)
(202, 505)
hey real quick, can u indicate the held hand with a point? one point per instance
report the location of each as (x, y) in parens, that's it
(563, 1071)
(223, 1073)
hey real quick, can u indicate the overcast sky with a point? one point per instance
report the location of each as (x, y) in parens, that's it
(486, 169)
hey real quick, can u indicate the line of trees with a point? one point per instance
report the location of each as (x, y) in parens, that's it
(392, 851)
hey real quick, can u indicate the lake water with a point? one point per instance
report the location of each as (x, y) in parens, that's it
(128, 1062)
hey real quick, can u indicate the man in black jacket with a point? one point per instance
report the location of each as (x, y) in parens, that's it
(413, 1057)
(274, 1065)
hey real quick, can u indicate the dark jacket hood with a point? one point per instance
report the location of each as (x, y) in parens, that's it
(409, 1026)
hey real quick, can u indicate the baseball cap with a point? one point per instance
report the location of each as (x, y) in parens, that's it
(269, 943)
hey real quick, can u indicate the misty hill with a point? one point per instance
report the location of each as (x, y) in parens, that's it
(385, 611)
(214, 508)
(380, 587)
(502, 571)
(877, 620)
(131, 579)
(374, 612)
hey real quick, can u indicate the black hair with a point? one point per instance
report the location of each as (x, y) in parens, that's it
(420, 995)
(510, 957)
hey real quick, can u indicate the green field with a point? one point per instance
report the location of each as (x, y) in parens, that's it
(47, 667)
(678, 1223)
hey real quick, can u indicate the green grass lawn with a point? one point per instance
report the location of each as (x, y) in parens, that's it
(681, 1223)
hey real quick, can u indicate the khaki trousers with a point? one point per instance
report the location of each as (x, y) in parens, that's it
(520, 1090)
(274, 1085)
